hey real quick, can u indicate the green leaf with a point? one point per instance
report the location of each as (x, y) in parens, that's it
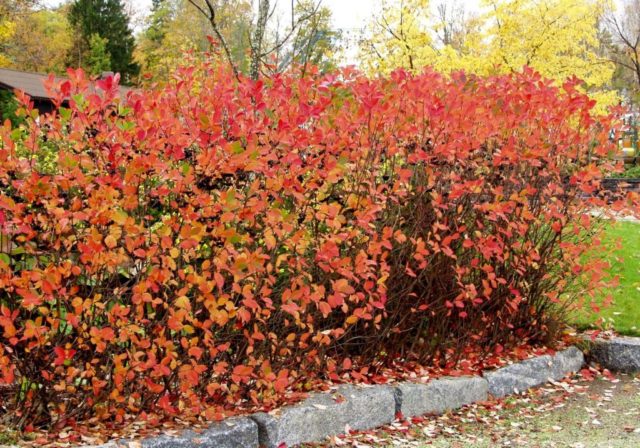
(65, 113)
(18, 251)
(126, 125)
(237, 148)
(79, 100)
(16, 135)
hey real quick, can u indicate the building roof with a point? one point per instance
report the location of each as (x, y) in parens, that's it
(32, 83)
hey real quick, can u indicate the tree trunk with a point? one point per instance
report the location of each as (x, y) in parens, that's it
(258, 38)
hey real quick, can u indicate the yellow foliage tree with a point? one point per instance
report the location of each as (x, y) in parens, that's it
(399, 37)
(7, 28)
(40, 42)
(176, 27)
(558, 38)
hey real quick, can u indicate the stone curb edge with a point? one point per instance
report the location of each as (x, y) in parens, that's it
(620, 354)
(327, 414)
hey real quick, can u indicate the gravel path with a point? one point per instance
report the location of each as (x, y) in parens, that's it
(604, 414)
(581, 413)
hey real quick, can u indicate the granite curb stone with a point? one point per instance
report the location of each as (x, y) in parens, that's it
(235, 432)
(231, 433)
(621, 353)
(519, 377)
(323, 415)
(440, 395)
(566, 361)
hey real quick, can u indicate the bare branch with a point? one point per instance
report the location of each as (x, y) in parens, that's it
(293, 29)
(625, 29)
(211, 17)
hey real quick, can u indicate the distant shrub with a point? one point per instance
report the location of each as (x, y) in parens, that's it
(8, 108)
(214, 241)
(631, 172)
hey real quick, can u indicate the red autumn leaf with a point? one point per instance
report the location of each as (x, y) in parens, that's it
(63, 356)
(164, 403)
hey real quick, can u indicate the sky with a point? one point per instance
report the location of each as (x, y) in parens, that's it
(350, 14)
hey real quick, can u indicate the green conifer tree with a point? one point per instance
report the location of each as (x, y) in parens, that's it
(108, 20)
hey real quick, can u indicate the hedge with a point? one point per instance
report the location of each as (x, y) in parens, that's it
(215, 241)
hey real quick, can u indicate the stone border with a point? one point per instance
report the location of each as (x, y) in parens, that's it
(235, 432)
(327, 414)
(621, 354)
(518, 377)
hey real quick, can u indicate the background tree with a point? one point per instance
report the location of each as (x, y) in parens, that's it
(98, 58)
(32, 38)
(150, 43)
(399, 37)
(40, 41)
(266, 44)
(107, 19)
(176, 27)
(623, 31)
(558, 38)
(451, 23)
(313, 44)
(7, 28)
(10, 11)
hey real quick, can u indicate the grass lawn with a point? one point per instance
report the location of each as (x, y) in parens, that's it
(624, 314)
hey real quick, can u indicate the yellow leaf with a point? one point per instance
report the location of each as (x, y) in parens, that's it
(342, 286)
(119, 216)
(110, 242)
(351, 320)
(269, 239)
(183, 302)
(163, 230)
